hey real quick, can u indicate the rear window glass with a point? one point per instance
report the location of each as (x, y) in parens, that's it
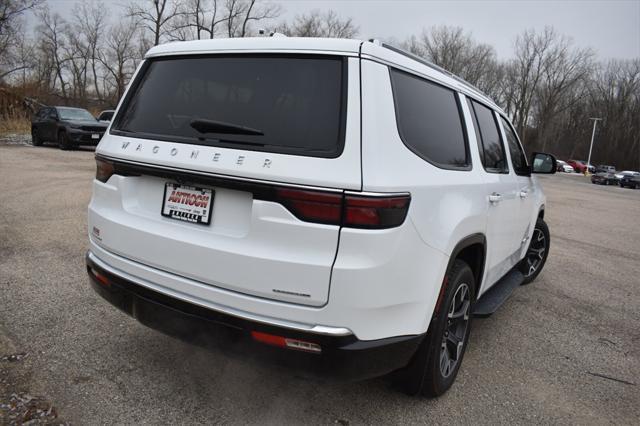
(429, 121)
(291, 104)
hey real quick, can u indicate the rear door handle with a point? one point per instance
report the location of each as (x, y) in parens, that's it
(495, 198)
(524, 193)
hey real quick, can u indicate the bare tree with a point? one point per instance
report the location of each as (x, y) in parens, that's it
(12, 39)
(563, 83)
(52, 30)
(210, 18)
(156, 18)
(456, 51)
(240, 14)
(320, 24)
(89, 25)
(119, 56)
(531, 50)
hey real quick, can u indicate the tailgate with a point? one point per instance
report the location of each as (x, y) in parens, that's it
(252, 245)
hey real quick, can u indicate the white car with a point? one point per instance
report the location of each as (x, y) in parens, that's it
(620, 175)
(564, 167)
(339, 203)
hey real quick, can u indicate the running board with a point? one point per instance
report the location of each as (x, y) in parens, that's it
(498, 294)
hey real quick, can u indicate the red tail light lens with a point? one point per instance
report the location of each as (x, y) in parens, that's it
(100, 278)
(354, 211)
(312, 206)
(104, 169)
(269, 339)
(375, 212)
(285, 342)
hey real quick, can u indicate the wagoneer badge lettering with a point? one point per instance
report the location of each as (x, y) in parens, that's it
(194, 154)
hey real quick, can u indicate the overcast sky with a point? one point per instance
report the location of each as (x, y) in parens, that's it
(611, 27)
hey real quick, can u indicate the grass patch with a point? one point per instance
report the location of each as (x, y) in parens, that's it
(14, 124)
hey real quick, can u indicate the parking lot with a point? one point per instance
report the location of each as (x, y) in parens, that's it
(565, 349)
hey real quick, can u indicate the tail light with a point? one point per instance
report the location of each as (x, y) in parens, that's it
(100, 278)
(355, 211)
(285, 342)
(375, 212)
(312, 206)
(104, 169)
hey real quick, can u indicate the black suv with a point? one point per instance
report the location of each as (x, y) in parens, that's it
(630, 181)
(69, 127)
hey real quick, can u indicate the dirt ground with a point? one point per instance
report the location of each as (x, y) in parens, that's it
(565, 349)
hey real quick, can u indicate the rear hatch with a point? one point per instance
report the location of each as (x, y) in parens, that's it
(250, 137)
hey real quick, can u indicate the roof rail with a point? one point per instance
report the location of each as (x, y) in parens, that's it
(423, 61)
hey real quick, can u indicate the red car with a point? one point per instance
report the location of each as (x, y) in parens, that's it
(578, 166)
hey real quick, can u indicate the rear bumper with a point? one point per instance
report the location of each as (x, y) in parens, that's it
(343, 357)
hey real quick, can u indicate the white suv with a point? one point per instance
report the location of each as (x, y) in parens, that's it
(340, 202)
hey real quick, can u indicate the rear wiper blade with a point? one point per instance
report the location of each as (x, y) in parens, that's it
(203, 125)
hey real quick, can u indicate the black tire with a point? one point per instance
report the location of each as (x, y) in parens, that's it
(433, 369)
(35, 139)
(537, 252)
(63, 141)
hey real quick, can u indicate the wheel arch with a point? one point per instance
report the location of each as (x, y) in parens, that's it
(473, 250)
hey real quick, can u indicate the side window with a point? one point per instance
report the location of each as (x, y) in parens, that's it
(494, 158)
(429, 121)
(518, 158)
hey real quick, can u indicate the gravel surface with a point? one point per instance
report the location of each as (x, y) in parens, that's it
(565, 349)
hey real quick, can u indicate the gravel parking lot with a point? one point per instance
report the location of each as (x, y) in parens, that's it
(565, 349)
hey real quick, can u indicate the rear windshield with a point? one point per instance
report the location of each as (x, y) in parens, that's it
(285, 104)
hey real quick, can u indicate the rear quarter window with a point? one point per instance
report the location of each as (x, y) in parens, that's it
(429, 121)
(298, 102)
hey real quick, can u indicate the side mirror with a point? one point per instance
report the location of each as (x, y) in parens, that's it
(543, 163)
(53, 116)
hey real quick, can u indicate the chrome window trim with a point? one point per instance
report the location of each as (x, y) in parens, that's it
(216, 175)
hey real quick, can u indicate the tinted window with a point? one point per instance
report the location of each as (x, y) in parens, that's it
(297, 102)
(492, 152)
(429, 120)
(518, 158)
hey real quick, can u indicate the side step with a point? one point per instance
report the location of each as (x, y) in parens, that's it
(498, 294)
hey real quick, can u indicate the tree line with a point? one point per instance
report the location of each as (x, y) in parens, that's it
(550, 87)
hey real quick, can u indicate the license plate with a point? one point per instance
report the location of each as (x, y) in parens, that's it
(187, 203)
(95, 136)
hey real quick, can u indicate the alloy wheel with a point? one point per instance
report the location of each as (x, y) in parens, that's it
(535, 253)
(455, 331)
